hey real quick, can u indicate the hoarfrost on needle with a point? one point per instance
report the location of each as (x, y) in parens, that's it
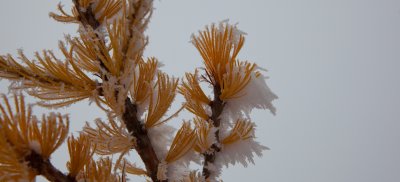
(256, 94)
(35, 146)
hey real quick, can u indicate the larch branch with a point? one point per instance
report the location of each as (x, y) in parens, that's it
(44, 167)
(217, 106)
(143, 144)
(133, 124)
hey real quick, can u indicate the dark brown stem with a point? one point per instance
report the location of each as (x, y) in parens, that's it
(86, 17)
(217, 106)
(143, 144)
(44, 167)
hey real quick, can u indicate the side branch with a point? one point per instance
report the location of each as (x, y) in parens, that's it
(44, 167)
(144, 146)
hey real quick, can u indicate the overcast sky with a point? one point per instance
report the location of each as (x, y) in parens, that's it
(334, 65)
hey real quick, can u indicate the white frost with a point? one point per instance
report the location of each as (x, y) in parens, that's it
(222, 25)
(235, 31)
(256, 94)
(162, 171)
(161, 137)
(35, 146)
(240, 152)
(181, 167)
(215, 169)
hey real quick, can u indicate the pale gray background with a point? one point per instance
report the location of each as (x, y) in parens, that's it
(334, 64)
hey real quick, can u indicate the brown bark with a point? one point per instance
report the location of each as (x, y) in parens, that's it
(143, 144)
(217, 106)
(44, 167)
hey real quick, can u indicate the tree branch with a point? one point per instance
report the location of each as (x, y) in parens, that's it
(44, 167)
(133, 124)
(144, 146)
(88, 19)
(217, 106)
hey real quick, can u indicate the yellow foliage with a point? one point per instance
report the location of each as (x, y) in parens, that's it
(242, 130)
(106, 9)
(110, 138)
(49, 79)
(183, 142)
(15, 126)
(22, 129)
(196, 99)
(11, 169)
(143, 80)
(50, 134)
(85, 49)
(219, 50)
(61, 83)
(21, 133)
(103, 10)
(191, 89)
(196, 107)
(93, 50)
(80, 152)
(237, 78)
(158, 106)
(64, 16)
(100, 171)
(131, 168)
(203, 133)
